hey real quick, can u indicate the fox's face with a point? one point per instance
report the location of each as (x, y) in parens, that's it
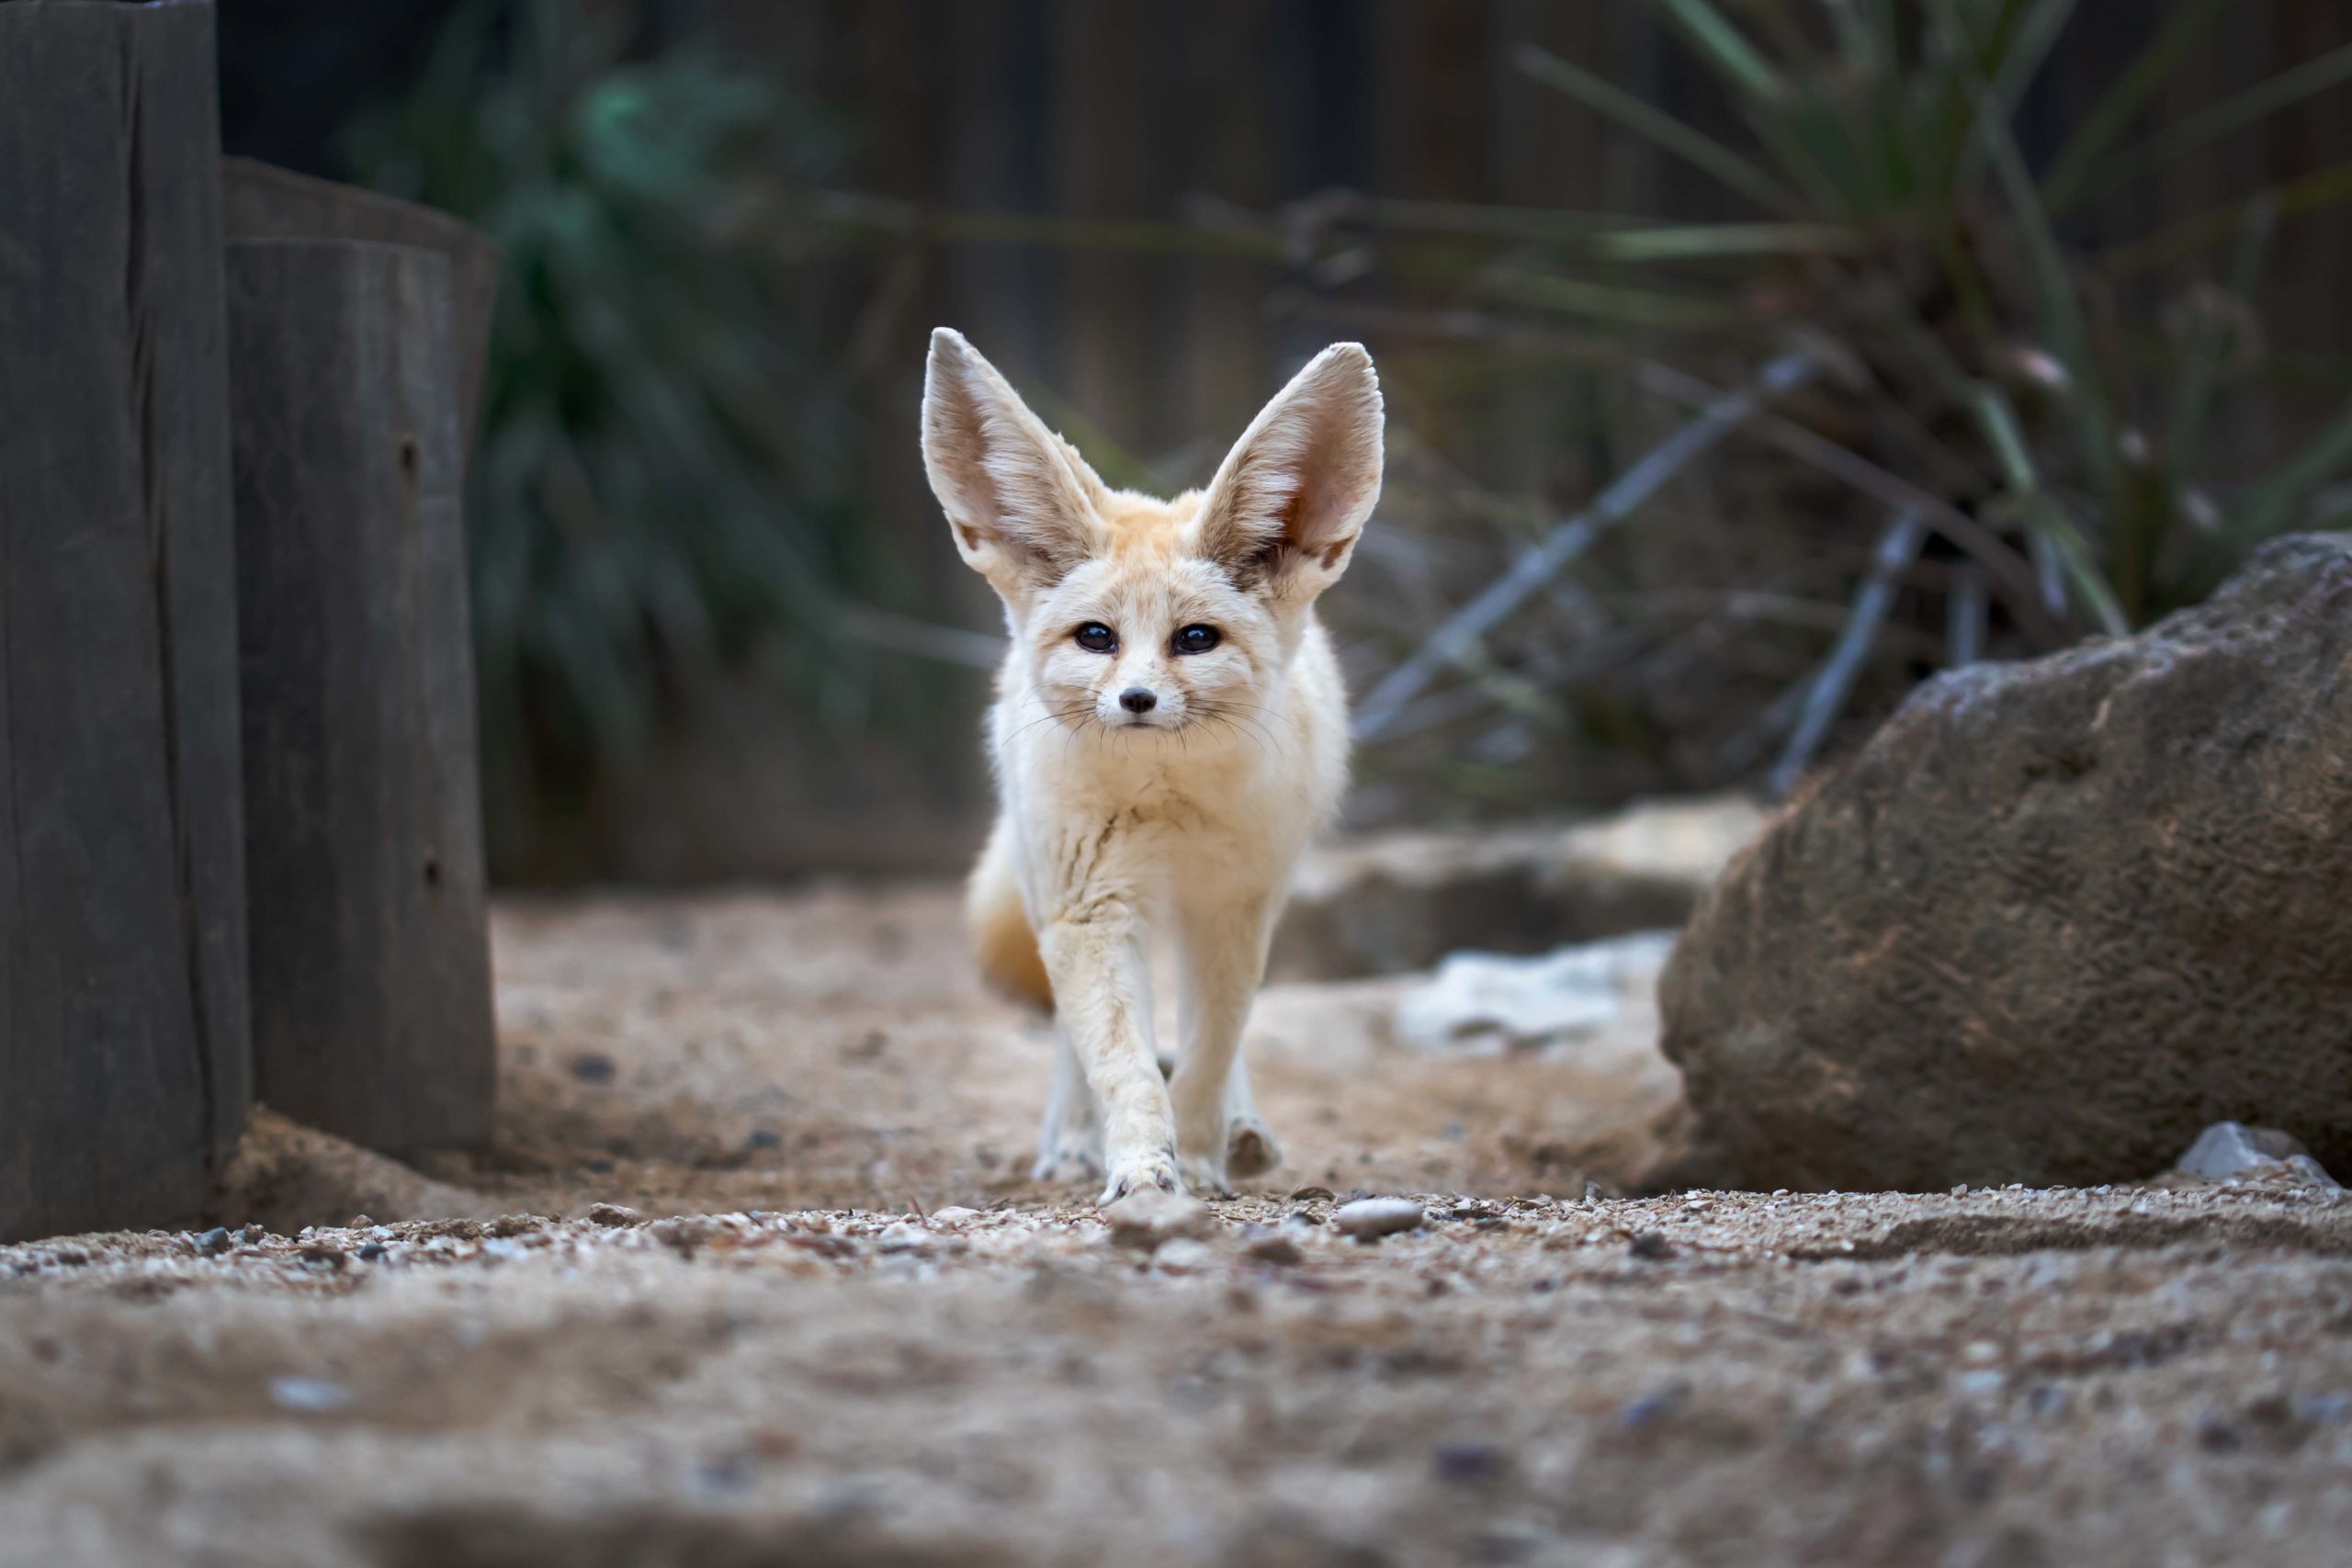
(1149, 635)
(1137, 615)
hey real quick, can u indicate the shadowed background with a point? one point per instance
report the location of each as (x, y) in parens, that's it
(723, 634)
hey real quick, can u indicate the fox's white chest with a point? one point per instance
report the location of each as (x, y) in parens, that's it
(1182, 821)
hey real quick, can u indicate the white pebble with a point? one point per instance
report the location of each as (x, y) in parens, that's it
(1182, 1256)
(311, 1395)
(1377, 1217)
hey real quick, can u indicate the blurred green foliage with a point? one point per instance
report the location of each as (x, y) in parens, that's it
(2082, 434)
(659, 489)
(2037, 388)
(2048, 417)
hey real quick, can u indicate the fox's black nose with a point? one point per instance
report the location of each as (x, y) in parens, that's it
(1134, 699)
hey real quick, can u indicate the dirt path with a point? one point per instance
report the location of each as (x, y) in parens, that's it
(799, 1372)
(835, 1050)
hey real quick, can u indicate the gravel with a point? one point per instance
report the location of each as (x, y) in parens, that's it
(2157, 1373)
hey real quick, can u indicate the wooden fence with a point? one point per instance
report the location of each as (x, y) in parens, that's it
(144, 853)
(1155, 110)
(123, 1059)
(1146, 108)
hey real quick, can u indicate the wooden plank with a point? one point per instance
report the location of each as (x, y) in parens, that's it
(123, 1042)
(260, 201)
(370, 944)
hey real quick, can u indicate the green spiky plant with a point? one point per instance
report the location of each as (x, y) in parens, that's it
(1902, 216)
(2047, 415)
(658, 493)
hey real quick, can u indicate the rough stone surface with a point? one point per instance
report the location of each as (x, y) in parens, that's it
(2054, 918)
(1394, 902)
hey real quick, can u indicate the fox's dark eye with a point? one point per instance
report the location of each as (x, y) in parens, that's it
(1096, 637)
(1197, 639)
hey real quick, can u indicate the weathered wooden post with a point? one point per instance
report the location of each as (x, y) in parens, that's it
(260, 201)
(370, 944)
(123, 1042)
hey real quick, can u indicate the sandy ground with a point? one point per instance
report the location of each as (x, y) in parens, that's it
(839, 1326)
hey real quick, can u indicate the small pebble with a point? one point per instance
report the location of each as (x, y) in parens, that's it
(371, 1252)
(593, 1067)
(1277, 1249)
(1368, 1218)
(312, 1396)
(1650, 1244)
(1183, 1255)
(615, 1214)
(1652, 1407)
(215, 1240)
(1466, 1462)
(1312, 1195)
(1148, 1217)
(954, 1214)
(2233, 1148)
(680, 1235)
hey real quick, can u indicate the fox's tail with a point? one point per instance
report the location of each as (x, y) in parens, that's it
(1007, 948)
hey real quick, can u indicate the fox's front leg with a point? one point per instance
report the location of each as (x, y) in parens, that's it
(1217, 1132)
(1069, 1146)
(1103, 998)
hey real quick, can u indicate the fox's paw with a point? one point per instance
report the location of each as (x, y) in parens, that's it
(1203, 1176)
(1249, 1149)
(1067, 1161)
(1153, 1170)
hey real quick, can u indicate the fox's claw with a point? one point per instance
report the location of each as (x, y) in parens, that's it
(1202, 1178)
(1155, 1171)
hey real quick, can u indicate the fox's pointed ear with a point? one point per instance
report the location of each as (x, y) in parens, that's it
(1020, 499)
(1290, 500)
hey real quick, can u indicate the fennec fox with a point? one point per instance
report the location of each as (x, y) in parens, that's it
(1170, 730)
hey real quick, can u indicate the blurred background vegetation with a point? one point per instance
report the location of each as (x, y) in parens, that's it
(1748, 360)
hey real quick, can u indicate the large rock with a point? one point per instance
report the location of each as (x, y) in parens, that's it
(1390, 903)
(2054, 918)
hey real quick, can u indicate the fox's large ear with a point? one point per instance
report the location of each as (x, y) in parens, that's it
(1290, 500)
(1020, 499)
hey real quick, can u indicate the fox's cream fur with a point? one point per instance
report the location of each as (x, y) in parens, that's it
(1170, 730)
